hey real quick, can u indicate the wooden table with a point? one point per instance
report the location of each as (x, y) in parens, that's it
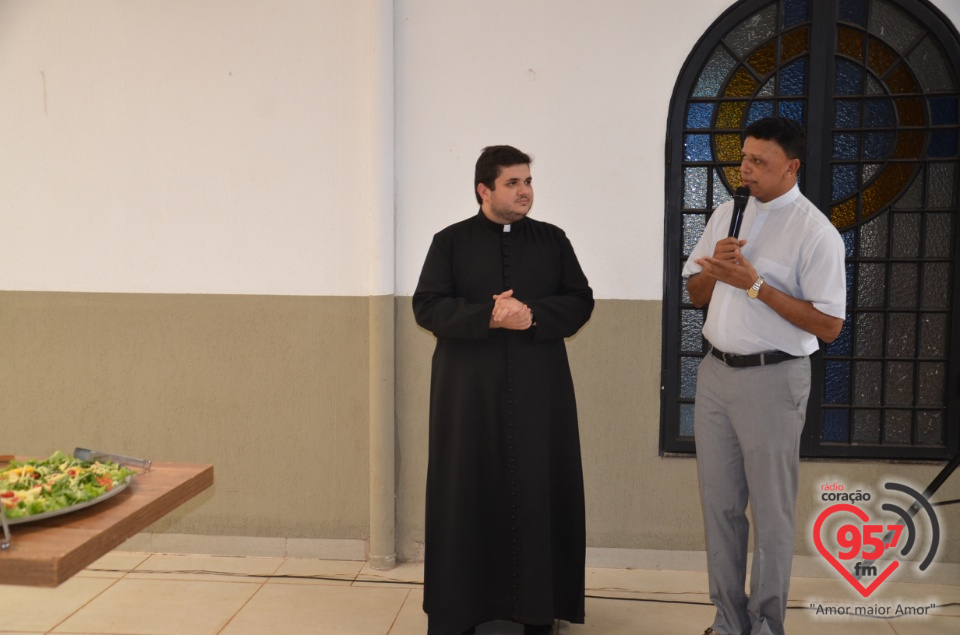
(48, 552)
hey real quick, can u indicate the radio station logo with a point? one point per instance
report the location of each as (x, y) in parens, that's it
(866, 549)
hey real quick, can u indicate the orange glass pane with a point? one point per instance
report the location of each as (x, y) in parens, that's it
(728, 147)
(742, 84)
(733, 177)
(909, 145)
(844, 215)
(881, 57)
(793, 44)
(912, 112)
(762, 59)
(900, 81)
(850, 43)
(731, 114)
(889, 184)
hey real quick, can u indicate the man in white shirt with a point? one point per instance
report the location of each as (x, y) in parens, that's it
(772, 292)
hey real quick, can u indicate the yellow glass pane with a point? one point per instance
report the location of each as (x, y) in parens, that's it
(881, 57)
(900, 81)
(889, 184)
(728, 147)
(909, 145)
(850, 43)
(742, 84)
(793, 44)
(731, 114)
(844, 215)
(912, 112)
(733, 177)
(762, 60)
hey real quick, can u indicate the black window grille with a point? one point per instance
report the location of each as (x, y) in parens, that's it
(875, 84)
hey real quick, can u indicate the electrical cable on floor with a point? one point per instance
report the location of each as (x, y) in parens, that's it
(420, 584)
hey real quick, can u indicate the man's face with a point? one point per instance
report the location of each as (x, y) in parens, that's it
(766, 170)
(511, 197)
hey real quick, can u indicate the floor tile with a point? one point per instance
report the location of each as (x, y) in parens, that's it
(115, 564)
(803, 620)
(161, 607)
(310, 571)
(318, 610)
(628, 617)
(406, 575)
(927, 626)
(411, 620)
(673, 585)
(221, 568)
(19, 604)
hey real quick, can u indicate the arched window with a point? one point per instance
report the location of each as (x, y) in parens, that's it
(875, 84)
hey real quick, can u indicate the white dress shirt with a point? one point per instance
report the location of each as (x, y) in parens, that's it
(797, 250)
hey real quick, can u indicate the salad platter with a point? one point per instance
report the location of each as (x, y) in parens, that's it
(37, 489)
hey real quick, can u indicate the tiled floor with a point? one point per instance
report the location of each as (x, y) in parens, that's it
(152, 594)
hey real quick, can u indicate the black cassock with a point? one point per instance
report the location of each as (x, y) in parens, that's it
(505, 536)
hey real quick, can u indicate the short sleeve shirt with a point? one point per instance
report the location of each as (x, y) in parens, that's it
(796, 249)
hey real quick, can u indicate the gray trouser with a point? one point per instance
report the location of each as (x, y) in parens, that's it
(747, 426)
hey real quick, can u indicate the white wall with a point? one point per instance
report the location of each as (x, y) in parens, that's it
(226, 146)
(189, 146)
(584, 87)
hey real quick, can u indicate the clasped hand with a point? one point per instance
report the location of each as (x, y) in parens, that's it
(728, 264)
(510, 313)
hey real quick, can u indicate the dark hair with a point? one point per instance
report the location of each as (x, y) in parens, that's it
(491, 162)
(786, 133)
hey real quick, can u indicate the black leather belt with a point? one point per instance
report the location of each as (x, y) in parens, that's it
(747, 361)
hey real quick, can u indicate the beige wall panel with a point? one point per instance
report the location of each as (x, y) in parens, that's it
(635, 498)
(272, 390)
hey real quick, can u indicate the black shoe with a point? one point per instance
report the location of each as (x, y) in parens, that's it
(537, 629)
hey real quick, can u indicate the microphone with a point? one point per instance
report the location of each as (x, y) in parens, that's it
(740, 198)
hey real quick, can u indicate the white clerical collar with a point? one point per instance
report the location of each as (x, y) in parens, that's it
(506, 229)
(782, 200)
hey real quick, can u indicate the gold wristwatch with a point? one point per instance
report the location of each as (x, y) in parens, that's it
(754, 291)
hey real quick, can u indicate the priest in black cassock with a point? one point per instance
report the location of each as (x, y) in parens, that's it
(505, 528)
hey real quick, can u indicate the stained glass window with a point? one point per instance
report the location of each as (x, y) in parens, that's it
(875, 85)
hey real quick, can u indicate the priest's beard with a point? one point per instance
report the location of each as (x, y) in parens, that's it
(507, 214)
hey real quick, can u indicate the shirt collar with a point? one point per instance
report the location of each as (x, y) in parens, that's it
(781, 201)
(497, 227)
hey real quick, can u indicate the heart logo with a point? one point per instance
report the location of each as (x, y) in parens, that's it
(852, 532)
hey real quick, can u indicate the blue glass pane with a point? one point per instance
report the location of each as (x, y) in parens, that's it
(794, 12)
(879, 113)
(943, 110)
(841, 345)
(844, 182)
(836, 382)
(849, 243)
(688, 377)
(696, 147)
(759, 110)
(854, 11)
(714, 74)
(699, 115)
(943, 143)
(846, 145)
(792, 110)
(686, 420)
(849, 79)
(793, 77)
(836, 425)
(851, 273)
(847, 114)
(877, 145)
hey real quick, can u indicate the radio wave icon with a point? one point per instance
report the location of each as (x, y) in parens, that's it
(906, 517)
